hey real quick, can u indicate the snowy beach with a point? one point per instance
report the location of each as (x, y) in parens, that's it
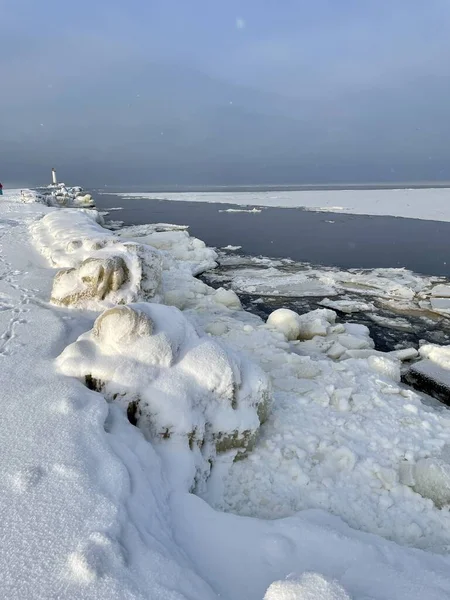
(162, 442)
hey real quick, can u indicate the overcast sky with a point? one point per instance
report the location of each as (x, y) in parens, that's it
(224, 91)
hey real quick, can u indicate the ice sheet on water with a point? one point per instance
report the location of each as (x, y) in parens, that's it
(359, 290)
(413, 203)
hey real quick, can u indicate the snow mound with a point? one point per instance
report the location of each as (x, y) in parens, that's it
(186, 392)
(310, 586)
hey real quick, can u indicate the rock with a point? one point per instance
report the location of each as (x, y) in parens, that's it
(174, 385)
(94, 279)
(116, 274)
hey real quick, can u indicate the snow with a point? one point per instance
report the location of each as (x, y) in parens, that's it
(94, 507)
(429, 204)
(310, 586)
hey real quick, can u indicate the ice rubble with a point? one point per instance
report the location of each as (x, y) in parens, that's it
(191, 394)
(58, 195)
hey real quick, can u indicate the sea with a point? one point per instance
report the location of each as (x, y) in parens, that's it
(302, 237)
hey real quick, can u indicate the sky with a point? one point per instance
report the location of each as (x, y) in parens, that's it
(224, 92)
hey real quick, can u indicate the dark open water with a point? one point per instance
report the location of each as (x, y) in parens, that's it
(330, 239)
(349, 241)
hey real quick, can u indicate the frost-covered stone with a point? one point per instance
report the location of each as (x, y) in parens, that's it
(310, 586)
(118, 274)
(177, 387)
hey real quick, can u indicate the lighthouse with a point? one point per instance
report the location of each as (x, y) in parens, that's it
(54, 180)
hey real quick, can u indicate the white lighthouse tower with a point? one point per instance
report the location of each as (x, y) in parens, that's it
(54, 180)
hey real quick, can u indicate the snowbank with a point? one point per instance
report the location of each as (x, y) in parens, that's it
(430, 204)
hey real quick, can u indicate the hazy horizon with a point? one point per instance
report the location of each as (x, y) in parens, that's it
(166, 93)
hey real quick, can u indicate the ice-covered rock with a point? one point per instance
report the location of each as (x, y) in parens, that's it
(179, 388)
(59, 195)
(116, 274)
(309, 586)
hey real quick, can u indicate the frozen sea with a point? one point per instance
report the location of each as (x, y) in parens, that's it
(317, 237)
(302, 238)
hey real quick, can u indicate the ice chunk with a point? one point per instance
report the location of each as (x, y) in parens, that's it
(432, 480)
(302, 327)
(347, 306)
(385, 366)
(287, 321)
(441, 291)
(440, 304)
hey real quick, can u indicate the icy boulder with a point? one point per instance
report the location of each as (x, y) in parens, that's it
(310, 586)
(115, 274)
(429, 477)
(188, 251)
(182, 390)
(302, 327)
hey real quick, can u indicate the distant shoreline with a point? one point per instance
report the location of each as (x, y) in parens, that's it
(155, 188)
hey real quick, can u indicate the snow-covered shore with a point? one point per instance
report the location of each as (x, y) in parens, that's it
(95, 507)
(428, 203)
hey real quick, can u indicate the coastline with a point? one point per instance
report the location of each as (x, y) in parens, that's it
(95, 510)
